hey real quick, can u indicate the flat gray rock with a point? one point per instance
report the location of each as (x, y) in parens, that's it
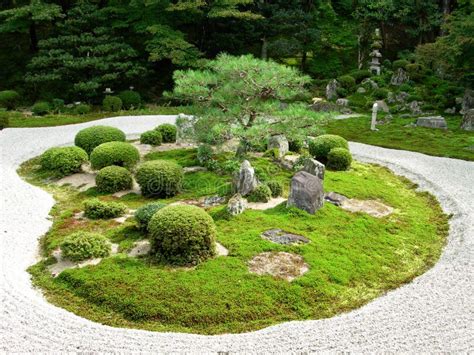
(280, 236)
(432, 122)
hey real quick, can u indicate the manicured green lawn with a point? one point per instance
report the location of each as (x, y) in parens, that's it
(452, 143)
(353, 257)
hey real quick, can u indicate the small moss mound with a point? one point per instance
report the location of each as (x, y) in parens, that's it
(89, 138)
(160, 178)
(152, 137)
(144, 214)
(113, 178)
(112, 103)
(97, 209)
(168, 132)
(276, 188)
(130, 99)
(182, 235)
(339, 159)
(83, 245)
(262, 193)
(115, 153)
(320, 147)
(40, 108)
(63, 160)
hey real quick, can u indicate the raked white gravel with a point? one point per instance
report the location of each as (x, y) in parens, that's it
(435, 312)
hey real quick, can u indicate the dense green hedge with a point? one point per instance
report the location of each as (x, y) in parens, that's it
(160, 178)
(113, 178)
(63, 160)
(152, 137)
(145, 212)
(97, 209)
(168, 132)
(339, 159)
(89, 138)
(84, 245)
(320, 147)
(115, 153)
(182, 234)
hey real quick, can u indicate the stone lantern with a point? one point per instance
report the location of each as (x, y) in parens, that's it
(375, 55)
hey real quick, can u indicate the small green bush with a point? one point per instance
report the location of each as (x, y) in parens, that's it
(84, 245)
(347, 82)
(57, 105)
(160, 178)
(130, 99)
(63, 160)
(380, 93)
(152, 137)
(320, 147)
(40, 108)
(360, 75)
(339, 159)
(145, 212)
(415, 71)
(276, 188)
(112, 103)
(262, 193)
(83, 109)
(204, 154)
(113, 179)
(273, 153)
(4, 120)
(342, 92)
(182, 235)
(400, 63)
(89, 138)
(168, 132)
(97, 209)
(114, 153)
(296, 145)
(9, 99)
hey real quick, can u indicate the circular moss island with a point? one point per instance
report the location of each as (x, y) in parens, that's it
(178, 260)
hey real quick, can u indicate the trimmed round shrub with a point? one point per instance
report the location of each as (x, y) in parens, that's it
(9, 99)
(276, 188)
(168, 132)
(112, 103)
(97, 209)
(144, 214)
(400, 63)
(89, 138)
(151, 137)
(114, 153)
(339, 159)
(296, 145)
(262, 193)
(63, 160)
(84, 245)
(347, 82)
(82, 109)
(182, 235)
(113, 178)
(320, 147)
(342, 92)
(40, 108)
(130, 99)
(380, 93)
(4, 120)
(360, 75)
(160, 178)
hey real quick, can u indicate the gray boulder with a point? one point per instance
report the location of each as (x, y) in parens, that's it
(246, 181)
(306, 192)
(342, 102)
(450, 110)
(467, 101)
(369, 84)
(331, 89)
(468, 121)
(314, 167)
(279, 142)
(432, 122)
(415, 108)
(236, 205)
(399, 78)
(361, 90)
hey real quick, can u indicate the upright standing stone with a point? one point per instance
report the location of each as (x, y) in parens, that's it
(331, 89)
(373, 123)
(246, 179)
(314, 167)
(415, 108)
(468, 120)
(306, 192)
(279, 142)
(467, 101)
(236, 205)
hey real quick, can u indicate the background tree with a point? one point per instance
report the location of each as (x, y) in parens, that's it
(247, 98)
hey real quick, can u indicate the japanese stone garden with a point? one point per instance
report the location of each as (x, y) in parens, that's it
(246, 202)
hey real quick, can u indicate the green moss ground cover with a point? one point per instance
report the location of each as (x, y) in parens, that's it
(353, 258)
(451, 143)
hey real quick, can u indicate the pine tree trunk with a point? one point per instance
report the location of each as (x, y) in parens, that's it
(33, 38)
(264, 49)
(446, 8)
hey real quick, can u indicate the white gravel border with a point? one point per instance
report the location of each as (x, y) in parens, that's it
(433, 313)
